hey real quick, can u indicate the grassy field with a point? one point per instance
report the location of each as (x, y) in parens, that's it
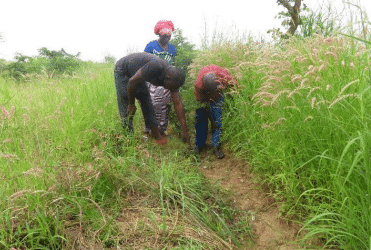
(72, 179)
(301, 119)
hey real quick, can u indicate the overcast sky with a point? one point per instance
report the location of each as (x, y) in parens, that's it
(112, 27)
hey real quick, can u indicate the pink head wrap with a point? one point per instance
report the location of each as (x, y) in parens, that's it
(164, 27)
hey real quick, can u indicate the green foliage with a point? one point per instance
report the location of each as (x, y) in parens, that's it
(49, 62)
(60, 62)
(185, 50)
(287, 19)
(109, 59)
(2, 65)
(324, 21)
(185, 55)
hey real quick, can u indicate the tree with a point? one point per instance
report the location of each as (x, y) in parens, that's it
(292, 18)
(110, 59)
(293, 12)
(59, 62)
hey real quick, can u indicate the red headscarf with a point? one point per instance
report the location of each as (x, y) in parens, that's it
(164, 27)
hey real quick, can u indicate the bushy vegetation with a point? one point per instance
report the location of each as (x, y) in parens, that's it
(47, 63)
(185, 50)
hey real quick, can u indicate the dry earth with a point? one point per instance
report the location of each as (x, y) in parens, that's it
(270, 231)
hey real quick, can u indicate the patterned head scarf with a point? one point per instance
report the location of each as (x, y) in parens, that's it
(164, 27)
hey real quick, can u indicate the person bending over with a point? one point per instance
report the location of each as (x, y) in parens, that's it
(209, 86)
(131, 72)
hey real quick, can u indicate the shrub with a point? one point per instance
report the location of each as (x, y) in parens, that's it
(50, 62)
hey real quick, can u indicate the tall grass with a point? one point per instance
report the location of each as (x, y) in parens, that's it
(300, 117)
(72, 178)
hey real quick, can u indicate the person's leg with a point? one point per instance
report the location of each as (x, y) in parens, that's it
(201, 128)
(160, 107)
(121, 82)
(165, 118)
(216, 113)
(152, 92)
(160, 116)
(150, 120)
(159, 97)
(165, 110)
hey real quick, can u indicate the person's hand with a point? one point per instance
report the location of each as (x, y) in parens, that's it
(214, 126)
(162, 141)
(131, 110)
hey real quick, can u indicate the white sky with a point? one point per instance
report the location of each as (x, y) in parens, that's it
(98, 28)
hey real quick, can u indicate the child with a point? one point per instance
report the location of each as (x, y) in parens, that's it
(209, 86)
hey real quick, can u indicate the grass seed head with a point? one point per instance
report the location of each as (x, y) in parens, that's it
(313, 101)
(5, 112)
(342, 98)
(351, 66)
(308, 118)
(26, 118)
(7, 140)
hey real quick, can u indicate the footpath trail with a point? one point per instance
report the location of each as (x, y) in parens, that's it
(270, 231)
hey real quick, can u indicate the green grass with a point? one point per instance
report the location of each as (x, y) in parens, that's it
(72, 178)
(300, 118)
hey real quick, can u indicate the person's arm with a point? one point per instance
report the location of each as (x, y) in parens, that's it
(200, 95)
(178, 106)
(209, 115)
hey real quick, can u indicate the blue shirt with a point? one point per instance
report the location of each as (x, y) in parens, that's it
(155, 48)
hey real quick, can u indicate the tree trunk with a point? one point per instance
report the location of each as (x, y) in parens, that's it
(294, 12)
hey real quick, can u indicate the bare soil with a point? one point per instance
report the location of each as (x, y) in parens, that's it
(248, 194)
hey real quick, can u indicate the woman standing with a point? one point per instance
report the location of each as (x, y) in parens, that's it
(160, 96)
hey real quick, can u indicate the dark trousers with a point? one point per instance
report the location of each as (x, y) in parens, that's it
(142, 94)
(202, 123)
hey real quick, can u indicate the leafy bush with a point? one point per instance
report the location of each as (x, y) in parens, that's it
(110, 59)
(50, 62)
(185, 55)
(59, 62)
(185, 50)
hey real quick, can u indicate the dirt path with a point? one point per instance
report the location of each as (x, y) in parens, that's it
(271, 232)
